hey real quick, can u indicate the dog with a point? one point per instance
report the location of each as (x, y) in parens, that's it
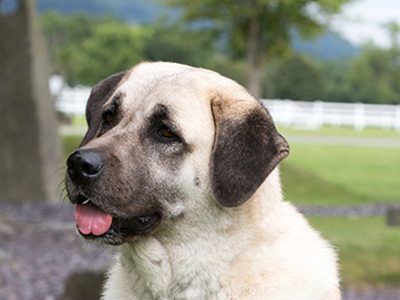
(179, 169)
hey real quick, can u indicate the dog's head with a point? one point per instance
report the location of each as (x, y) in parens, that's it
(163, 140)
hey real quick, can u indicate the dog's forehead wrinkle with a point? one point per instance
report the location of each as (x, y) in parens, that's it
(116, 99)
(161, 111)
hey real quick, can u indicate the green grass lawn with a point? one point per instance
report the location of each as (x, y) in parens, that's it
(369, 251)
(341, 175)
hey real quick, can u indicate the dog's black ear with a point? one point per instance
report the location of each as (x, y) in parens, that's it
(101, 92)
(247, 149)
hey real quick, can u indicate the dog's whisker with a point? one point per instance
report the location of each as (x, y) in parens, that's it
(58, 170)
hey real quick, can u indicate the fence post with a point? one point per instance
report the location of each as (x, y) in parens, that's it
(397, 118)
(287, 112)
(359, 116)
(318, 114)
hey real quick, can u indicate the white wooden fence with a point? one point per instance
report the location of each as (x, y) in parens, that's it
(72, 101)
(317, 114)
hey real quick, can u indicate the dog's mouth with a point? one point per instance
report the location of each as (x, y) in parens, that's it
(95, 224)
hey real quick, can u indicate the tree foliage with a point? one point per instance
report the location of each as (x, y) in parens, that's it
(111, 48)
(260, 28)
(335, 74)
(177, 43)
(374, 76)
(86, 49)
(63, 31)
(298, 78)
(105, 46)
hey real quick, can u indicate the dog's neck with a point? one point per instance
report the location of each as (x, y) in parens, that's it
(182, 262)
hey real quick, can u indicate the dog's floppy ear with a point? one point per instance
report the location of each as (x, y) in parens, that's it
(247, 149)
(101, 92)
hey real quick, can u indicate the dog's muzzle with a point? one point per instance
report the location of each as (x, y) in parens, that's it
(94, 219)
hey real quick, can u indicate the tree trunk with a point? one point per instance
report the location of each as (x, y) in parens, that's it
(30, 151)
(254, 52)
(254, 78)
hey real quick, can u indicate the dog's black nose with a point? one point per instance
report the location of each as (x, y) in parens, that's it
(83, 164)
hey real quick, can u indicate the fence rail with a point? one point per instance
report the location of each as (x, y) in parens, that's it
(317, 114)
(72, 101)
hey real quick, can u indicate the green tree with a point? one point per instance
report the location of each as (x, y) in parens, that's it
(63, 31)
(260, 28)
(369, 77)
(85, 49)
(298, 78)
(177, 44)
(335, 74)
(234, 69)
(374, 76)
(111, 49)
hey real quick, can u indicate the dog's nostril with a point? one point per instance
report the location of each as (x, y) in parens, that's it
(91, 165)
(84, 164)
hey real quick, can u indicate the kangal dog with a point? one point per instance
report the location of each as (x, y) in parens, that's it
(179, 169)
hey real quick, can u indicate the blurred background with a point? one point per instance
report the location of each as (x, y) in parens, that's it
(328, 71)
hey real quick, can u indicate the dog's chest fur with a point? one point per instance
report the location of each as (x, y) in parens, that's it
(170, 269)
(224, 255)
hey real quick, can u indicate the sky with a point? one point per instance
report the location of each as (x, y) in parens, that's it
(361, 20)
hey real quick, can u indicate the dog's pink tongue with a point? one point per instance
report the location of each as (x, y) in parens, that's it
(92, 219)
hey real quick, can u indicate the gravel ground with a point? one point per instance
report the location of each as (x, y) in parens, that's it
(39, 249)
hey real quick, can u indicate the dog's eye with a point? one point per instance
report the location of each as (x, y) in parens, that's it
(167, 133)
(108, 117)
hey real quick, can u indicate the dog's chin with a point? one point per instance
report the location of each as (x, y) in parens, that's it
(126, 230)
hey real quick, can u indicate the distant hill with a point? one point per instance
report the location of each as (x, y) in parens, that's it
(327, 46)
(130, 11)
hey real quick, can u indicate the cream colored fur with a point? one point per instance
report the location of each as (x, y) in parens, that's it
(263, 249)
